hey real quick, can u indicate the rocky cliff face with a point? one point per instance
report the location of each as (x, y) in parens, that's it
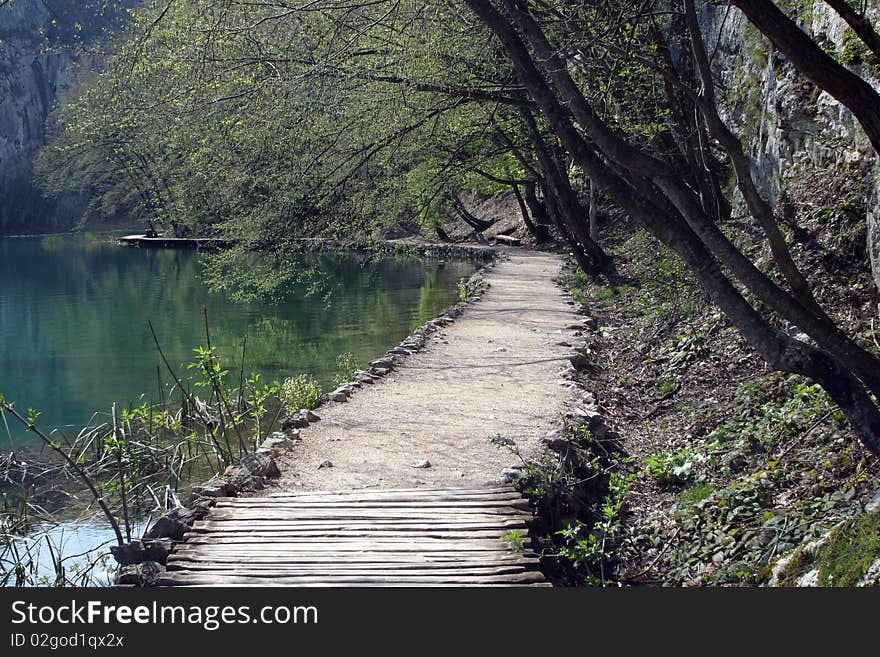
(33, 70)
(790, 125)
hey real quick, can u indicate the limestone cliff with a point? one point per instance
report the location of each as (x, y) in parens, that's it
(790, 125)
(32, 72)
(40, 45)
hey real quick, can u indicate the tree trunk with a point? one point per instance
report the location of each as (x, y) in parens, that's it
(669, 188)
(476, 223)
(567, 205)
(758, 206)
(634, 196)
(816, 64)
(524, 211)
(594, 214)
(584, 262)
(859, 23)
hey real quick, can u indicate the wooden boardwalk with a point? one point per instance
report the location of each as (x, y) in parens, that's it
(412, 537)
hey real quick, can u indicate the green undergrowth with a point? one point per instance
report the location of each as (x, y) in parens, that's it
(666, 290)
(300, 392)
(736, 466)
(850, 552)
(844, 557)
(579, 497)
(781, 470)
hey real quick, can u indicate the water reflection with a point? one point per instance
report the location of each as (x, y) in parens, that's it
(74, 315)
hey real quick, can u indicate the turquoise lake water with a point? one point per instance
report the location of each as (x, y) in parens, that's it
(74, 314)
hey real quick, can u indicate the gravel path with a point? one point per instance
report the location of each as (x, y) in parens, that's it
(495, 370)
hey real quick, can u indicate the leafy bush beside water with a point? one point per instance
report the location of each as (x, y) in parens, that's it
(300, 392)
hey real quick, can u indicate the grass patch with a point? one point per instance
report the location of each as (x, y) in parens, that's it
(850, 551)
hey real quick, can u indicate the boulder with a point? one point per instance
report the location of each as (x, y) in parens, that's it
(568, 372)
(157, 549)
(145, 575)
(809, 579)
(129, 553)
(214, 487)
(168, 527)
(872, 577)
(295, 421)
(555, 442)
(197, 508)
(340, 394)
(244, 480)
(590, 417)
(260, 465)
(275, 443)
(511, 475)
(874, 504)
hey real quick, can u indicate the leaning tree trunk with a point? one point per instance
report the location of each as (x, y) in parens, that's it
(567, 205)
(524, 211)
(594, 212)
(476, 223)
(635, 195)
(666, 184)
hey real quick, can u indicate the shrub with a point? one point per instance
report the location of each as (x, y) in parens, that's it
(347, 365)
(300, 392)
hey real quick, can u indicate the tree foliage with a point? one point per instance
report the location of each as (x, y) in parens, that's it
(266, 121)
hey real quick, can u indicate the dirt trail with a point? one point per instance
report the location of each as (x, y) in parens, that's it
(495, 370)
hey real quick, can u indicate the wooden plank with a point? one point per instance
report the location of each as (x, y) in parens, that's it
(397, 574)
(377, 545)
(484, 522)
(390, 495)
(383, 515)
(387, 496)
(353, 535)
(422, 525)
(431, 492)
(222, 578)
(336, 566)
(299, 551)
(325, 567)
(363, 557)
(381, 511)
(465, 505)
(390, 584)
(336, 534)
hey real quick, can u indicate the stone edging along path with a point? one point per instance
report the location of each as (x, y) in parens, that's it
(498, 364)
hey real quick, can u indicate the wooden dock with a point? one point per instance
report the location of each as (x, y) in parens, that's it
(412, 537)
(172, 242)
